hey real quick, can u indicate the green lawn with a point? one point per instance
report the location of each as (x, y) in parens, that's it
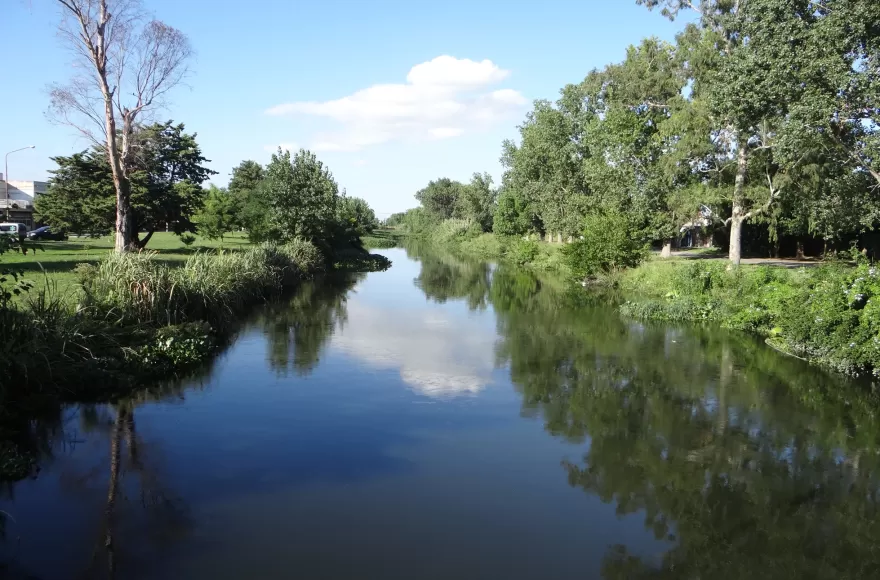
(53, 262)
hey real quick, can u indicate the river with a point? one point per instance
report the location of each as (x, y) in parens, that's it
(454, 419)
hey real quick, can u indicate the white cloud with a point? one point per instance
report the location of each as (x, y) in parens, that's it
(442, 98)
(292, 147)
(436, 356)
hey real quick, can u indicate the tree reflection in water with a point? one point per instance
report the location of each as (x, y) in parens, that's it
(298, 329)
(141, 514)
(749, 464)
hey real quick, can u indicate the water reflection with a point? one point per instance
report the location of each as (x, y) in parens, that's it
(748, 464)
(437, 354)
(298, 329)
(653, 451)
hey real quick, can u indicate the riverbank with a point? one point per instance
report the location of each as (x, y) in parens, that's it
(827, 314)
(138, 318)
(460, 238)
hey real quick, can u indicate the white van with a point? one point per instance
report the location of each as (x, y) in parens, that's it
(13, 229)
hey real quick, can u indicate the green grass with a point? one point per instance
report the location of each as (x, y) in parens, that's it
(52, 263)
(382, 238)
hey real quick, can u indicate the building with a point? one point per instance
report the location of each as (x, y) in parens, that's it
(19, 206)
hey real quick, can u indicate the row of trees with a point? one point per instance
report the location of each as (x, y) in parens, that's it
(139, 177)
(761, 112)
(293, 196)
(449, 199)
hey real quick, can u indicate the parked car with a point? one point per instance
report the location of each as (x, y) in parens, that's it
(46, 233)
(13, 229)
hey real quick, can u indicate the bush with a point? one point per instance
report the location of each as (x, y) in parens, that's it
(455, 230)
(305, 255)
(522, 252)
(829, 315)
(609, 243)
(174, 348)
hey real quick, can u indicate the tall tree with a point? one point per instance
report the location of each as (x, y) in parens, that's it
(246, 178)
(165, 179)
(128, 65)
(441, 198)
(629, 106)
(543, 169)
(218, 215)
(744, 103)
(244, 187)
(477, 201)
(300, 195)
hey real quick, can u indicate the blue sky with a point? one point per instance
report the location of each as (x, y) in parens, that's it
(390, 94)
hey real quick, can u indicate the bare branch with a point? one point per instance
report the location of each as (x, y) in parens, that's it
(125, 65)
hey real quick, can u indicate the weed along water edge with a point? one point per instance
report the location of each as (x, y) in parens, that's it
(454, 418)
(136, 317)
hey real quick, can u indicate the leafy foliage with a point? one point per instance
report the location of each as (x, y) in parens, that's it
(165, 186)
(609, 243)
(219, 215)
(440, 198)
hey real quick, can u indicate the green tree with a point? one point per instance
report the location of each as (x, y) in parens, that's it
(81, 198)
(300, 197)
(165, 186)
(171, 172)
(544, 170)
(441, 198)
(477, 201)
(610, 242)
(514, 214)
(356, 215)
(244, 186)
(218, 215)
(629, 106)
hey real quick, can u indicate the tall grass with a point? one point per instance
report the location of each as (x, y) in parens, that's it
(140, 288)
(136, 311)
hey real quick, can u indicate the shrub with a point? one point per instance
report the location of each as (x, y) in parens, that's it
(522, 252)
(173, 348)
(829, 314)
(305, 255)
(609, 243)
(455, 230)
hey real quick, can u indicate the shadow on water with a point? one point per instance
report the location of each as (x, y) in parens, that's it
(750, 464)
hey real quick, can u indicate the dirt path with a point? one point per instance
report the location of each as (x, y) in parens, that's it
(778, 262)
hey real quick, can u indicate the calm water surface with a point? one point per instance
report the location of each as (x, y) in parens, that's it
(448, 419)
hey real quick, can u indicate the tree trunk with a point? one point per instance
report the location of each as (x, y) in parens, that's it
(666, 252)
(738, 215)
(799, 253)
(142, 243)
(110, 508)
(124, 218)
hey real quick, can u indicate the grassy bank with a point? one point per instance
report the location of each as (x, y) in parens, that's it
(462, 237)
(55, 261)
(139, 316)
(382, 238)
(829, 314)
